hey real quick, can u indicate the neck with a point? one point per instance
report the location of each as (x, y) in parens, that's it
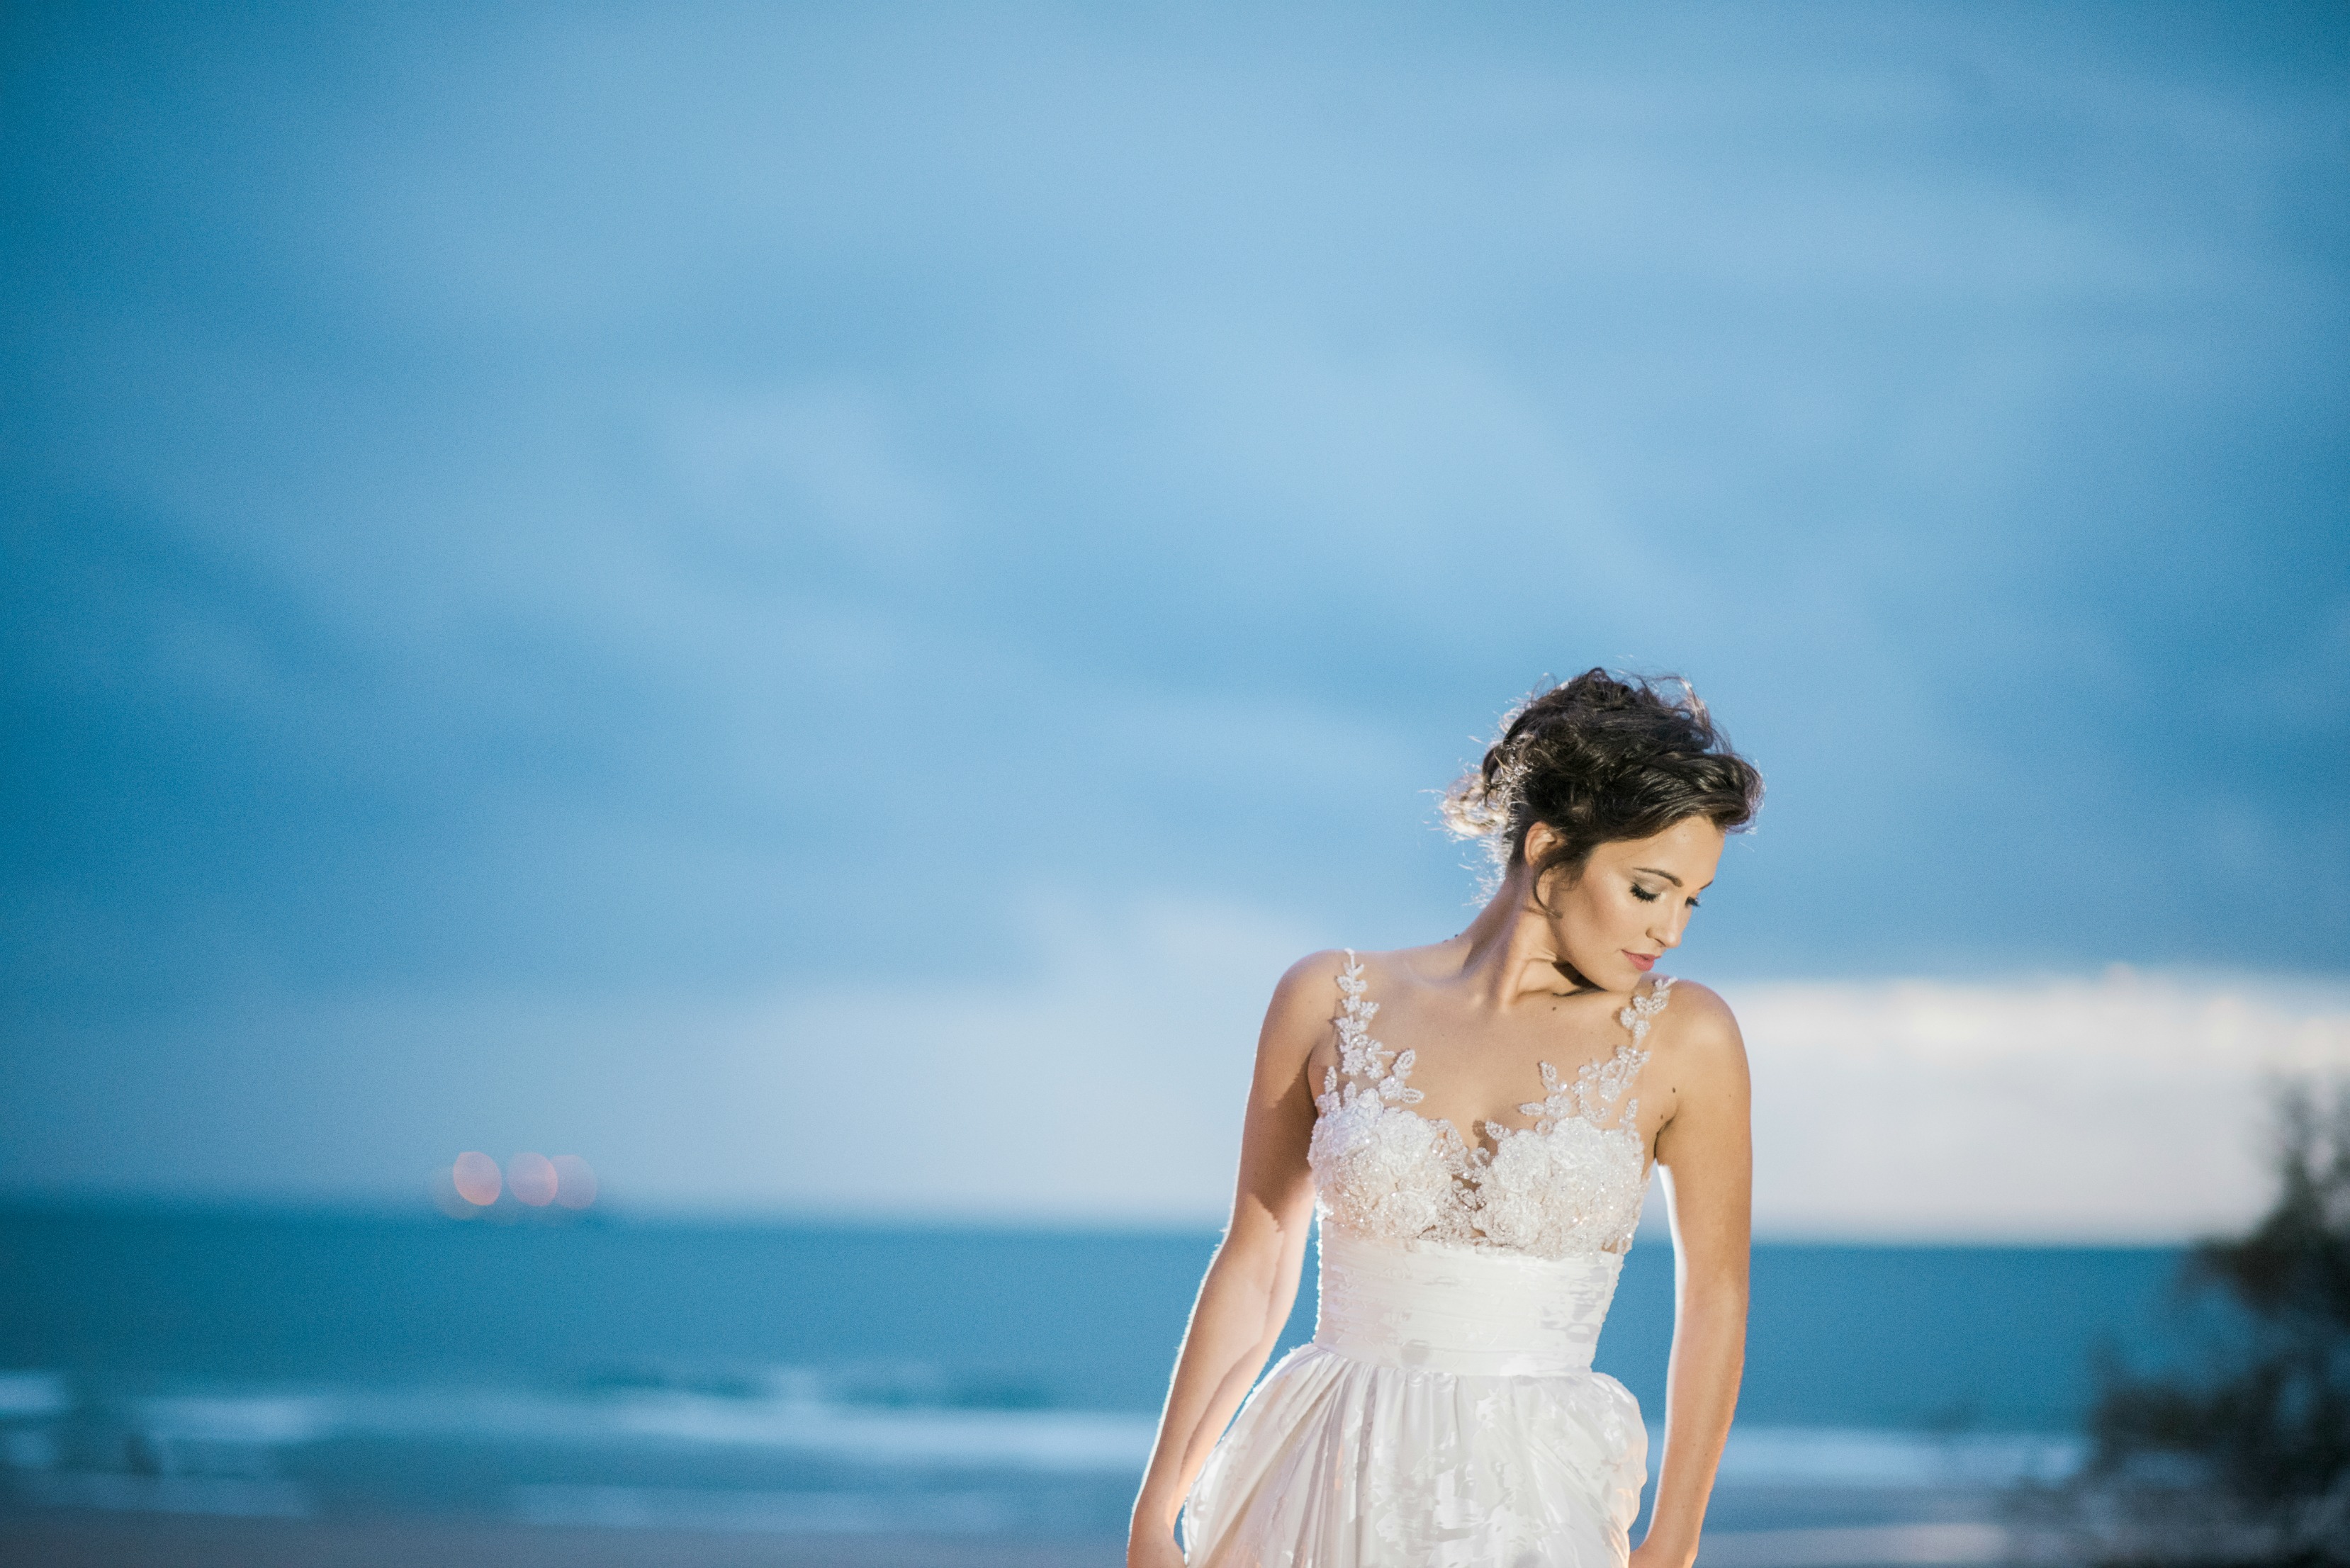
(1509, 953)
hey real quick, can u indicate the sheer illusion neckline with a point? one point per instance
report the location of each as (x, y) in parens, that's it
(1591, 1098)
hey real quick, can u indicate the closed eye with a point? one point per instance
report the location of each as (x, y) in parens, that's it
(1643, 894)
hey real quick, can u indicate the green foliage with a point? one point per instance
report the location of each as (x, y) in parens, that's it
(2250, 1462)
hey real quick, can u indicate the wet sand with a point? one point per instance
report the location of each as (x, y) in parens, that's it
(67, 1539)
(63, 1539)
(1801, 1526)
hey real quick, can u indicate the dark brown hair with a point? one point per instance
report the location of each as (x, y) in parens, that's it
(1601, 758)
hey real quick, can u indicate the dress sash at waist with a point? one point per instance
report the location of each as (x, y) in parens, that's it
(1472, 1311)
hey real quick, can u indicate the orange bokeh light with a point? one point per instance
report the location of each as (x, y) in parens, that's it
(476, 1176)
(531, 1178)
(576, 1181)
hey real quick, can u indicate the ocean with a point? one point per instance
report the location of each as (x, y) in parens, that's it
(814, 1380)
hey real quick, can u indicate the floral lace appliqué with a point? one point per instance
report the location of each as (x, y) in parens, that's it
(1571, 1184)
(1362, 1057)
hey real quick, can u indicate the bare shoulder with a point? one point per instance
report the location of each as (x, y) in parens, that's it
(1697, 1027)
(1304, 1001)
(1411, 968)
(1704, 1090)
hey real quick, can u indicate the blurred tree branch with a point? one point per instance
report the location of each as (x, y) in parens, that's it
(2248, 1461)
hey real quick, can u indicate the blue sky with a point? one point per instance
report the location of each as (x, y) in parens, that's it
(597, 507)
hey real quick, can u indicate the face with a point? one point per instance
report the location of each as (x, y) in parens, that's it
(1632, 902)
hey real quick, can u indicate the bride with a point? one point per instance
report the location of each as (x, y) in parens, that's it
(1474, 1122)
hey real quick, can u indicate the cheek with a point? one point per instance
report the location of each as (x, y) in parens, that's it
(1625, 914)
(1603, 914)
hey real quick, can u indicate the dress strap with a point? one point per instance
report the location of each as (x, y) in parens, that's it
(1362, 1059)
(1641, 1008)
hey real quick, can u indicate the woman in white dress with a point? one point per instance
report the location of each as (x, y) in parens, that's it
(1474, 1122)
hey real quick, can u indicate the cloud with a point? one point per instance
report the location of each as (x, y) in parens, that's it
(602, 510)
(1106, 1084)
(2129, 1106)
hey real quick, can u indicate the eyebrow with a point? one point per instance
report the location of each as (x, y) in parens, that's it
(1660, 871)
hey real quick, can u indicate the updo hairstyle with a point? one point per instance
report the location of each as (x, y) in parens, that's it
(1599, 759)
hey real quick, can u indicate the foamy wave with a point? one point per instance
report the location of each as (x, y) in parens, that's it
(1033, 1439)
(1835, 1457)
(216, 1449)
(1068, 1442)
(773, 1512)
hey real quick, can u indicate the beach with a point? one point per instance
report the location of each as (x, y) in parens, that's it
(1758, 1527)
(79, 1539)
(189, 1388)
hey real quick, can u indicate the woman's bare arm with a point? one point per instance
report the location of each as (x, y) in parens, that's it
(1707, 1152)
(1253, 1279)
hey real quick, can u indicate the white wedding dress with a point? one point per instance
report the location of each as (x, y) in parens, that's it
(1446, 1415)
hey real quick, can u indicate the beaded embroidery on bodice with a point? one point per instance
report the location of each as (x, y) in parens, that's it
(1570, 1185)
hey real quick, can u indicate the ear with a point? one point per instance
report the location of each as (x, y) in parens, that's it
(1541, 839)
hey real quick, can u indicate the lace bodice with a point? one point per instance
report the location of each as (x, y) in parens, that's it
(1571, 1184)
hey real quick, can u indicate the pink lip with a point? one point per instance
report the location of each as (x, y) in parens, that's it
(1641, 961)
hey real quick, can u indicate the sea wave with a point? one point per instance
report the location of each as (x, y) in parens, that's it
(1783, 1456)
(765, 1451)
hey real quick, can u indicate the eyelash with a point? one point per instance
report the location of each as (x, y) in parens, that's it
(1647, 897)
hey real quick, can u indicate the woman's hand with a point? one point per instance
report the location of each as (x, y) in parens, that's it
(1152, 1549)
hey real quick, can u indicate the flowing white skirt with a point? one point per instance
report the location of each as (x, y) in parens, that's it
(1445, 1416)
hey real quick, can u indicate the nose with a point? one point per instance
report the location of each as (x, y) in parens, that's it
(1670, 936)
